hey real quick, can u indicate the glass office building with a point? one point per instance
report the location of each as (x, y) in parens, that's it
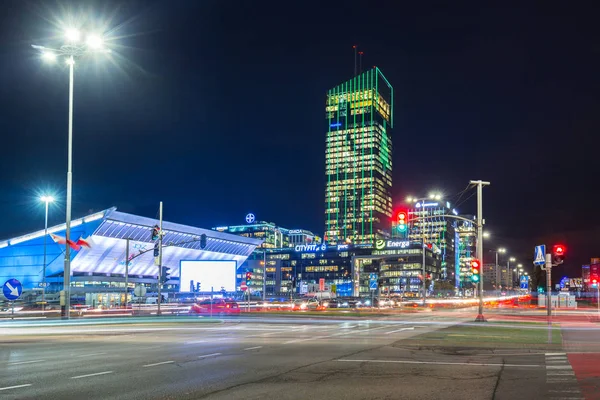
(437, 230)
(347, 269)
(358, 159)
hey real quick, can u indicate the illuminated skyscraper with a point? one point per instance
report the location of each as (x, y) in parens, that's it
(358, 159)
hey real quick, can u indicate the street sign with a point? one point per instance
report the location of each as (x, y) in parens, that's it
(243, 287)
(140, 291)
(12, 289)
(539, 257)
(524, 282)
(373, 281)
(43, 284)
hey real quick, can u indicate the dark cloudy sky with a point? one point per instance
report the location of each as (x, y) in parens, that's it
(217, 109)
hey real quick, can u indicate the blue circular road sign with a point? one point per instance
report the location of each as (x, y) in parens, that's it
(12, 289)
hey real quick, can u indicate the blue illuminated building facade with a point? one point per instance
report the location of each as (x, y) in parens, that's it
(101, 267)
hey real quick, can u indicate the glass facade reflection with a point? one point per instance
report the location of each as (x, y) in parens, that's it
(358, 159)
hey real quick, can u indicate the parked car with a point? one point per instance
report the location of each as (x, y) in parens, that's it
(219, 307)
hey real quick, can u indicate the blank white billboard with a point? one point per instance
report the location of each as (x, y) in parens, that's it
(215, 274)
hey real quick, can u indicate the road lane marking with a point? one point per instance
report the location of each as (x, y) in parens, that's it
(196, 341)
(158, 363)
(558, 366)
(15, 387)
(444, 363)
(305, 339)
(556, 354)
(210, 355)
(400, 330)
(90, 355)
(87, 375)
(253, 348)
(25, 362)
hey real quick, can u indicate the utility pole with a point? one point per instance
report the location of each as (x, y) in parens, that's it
(126, 269)
(549, 284)
(424, 272)
(264, 273)
(480, 184)
(160, 253)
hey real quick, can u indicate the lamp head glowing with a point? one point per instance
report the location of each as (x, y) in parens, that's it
(95, 42)
(72, 35)
(47, 199)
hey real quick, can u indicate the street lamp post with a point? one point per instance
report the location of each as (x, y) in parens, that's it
(47, 200)
(510, 277)
(73, 49)
(500, 250)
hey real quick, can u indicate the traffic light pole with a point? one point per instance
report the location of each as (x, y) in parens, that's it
(160, 253)
(480, 185)
(549, 284)
(126, 269)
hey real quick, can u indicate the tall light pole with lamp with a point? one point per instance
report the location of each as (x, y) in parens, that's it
(498, 281)
(72, 49)
(510, 276)
(421, 201)
(46, 200)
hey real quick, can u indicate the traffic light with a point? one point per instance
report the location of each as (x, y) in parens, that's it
(156, 250)
(248, 278)
(164, 274)
(475, 270)
(558, 254)
(402, 221)
(594, 281)
(202, 241)
(155, 231)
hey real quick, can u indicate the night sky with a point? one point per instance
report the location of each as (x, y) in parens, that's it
(217, 109)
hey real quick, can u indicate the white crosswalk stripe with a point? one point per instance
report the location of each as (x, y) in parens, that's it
(560, 377)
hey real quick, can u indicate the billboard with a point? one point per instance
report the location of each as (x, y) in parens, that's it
(201, 275)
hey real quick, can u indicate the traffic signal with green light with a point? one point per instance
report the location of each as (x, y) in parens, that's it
(155, 232)
(402, 219)
(475, 271)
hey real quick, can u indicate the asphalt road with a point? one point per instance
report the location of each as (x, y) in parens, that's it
(256, 358)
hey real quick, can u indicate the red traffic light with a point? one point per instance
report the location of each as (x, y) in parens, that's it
(558, 249)
(401, 216)
(475, 264)
(594, 281)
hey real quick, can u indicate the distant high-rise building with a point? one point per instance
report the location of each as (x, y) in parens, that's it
(358, 159)
(426, 220)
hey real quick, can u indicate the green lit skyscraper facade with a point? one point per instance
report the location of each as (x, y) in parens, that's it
(358, 159)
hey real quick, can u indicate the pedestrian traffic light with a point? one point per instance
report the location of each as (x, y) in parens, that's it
(558, 254)
(401, 221)
(202, 241)
(475, 270)
(164, 274)
(155, 232)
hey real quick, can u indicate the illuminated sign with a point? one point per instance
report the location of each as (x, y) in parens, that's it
(221, 228)
(343, 247)
(250, 218)
(391, 244)
(310, 247)
(336, 125)
(418, 205)
(295, 231)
